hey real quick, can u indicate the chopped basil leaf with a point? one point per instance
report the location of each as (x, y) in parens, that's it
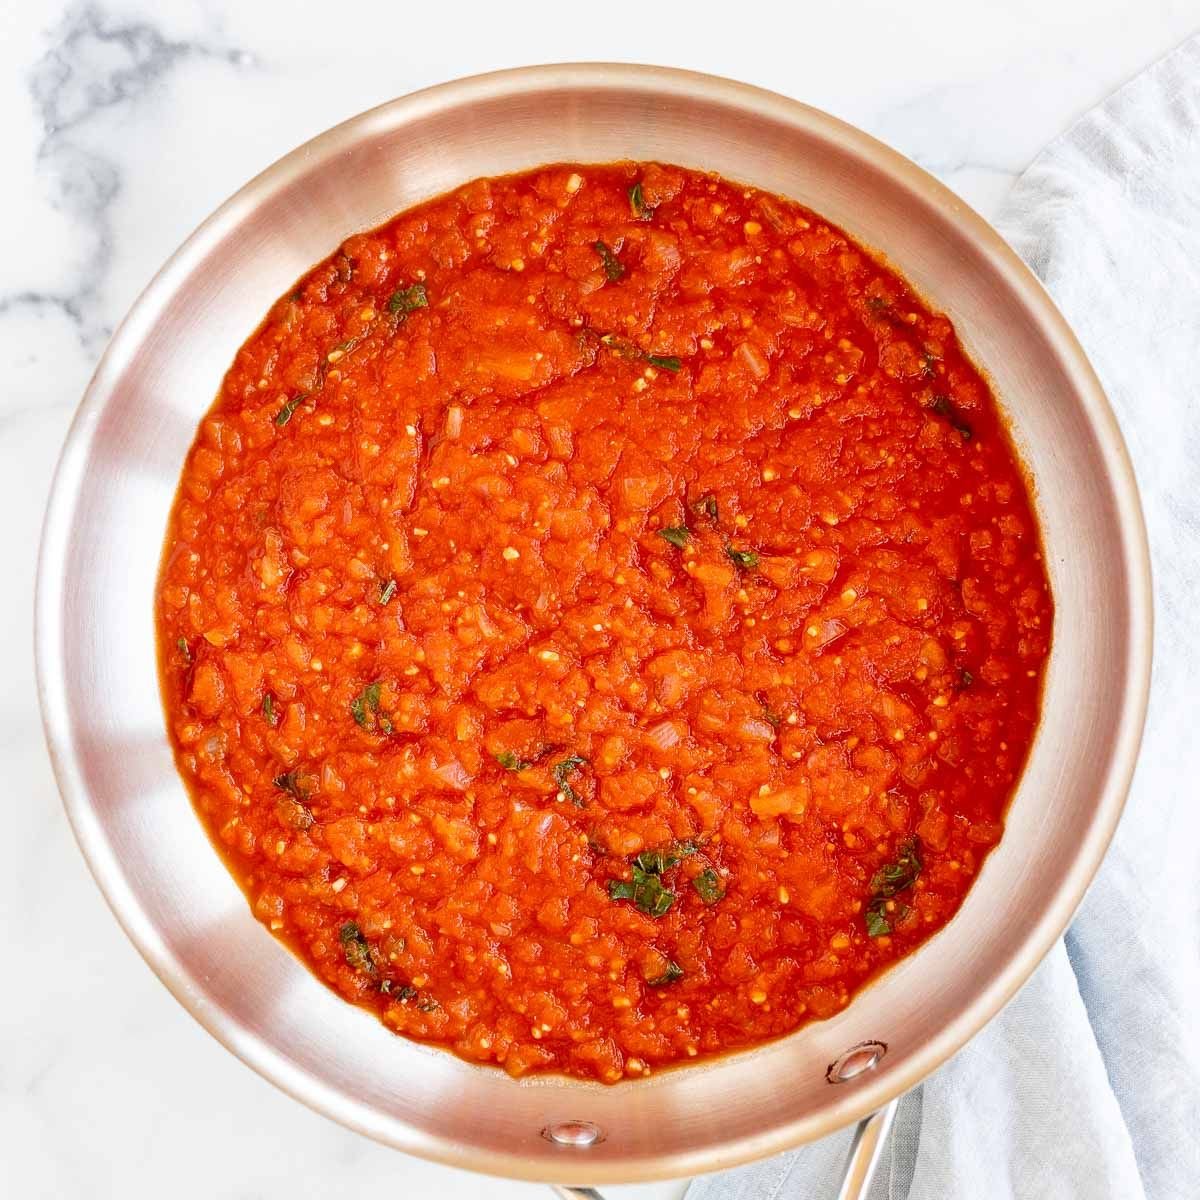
(400, 992)
(297, 787)
(965, 679)
(364, 708)
(182, 646)
(877, 922)
(510, 762)
(745, 560)
(887, 881)
(645, 890)
(344, 348)
(356, 949)
(613, 267)
(652, 898)
(895, 877)
(655, 862)
(708, 506)
(708, 884)
(621, 889)
(284, 415)
(621, 347)
(772, 718)
(637, 203)
(673, 972)
(564, 769)
(365, 704)
(677, 535)
(295, 783)
(270, 713)
(667, 362)
(408, 299)
(387, 591)
(428, 1004)
(945, 408)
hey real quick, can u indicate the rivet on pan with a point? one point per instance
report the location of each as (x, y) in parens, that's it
(577, 1134)
(853, 1062)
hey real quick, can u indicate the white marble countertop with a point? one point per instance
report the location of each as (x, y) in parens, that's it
(123, 124)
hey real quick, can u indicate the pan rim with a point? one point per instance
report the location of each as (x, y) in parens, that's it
(335, 1103)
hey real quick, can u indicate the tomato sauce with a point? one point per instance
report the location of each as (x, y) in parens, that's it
(602, 620)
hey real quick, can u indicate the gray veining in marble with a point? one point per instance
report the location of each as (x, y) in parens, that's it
(95, 63)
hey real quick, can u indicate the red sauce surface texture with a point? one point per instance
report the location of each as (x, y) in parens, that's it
(602, 620)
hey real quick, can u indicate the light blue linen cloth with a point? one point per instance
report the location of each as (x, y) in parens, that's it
(1088, 1084)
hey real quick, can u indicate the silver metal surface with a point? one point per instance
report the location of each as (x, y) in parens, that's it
(579, 1134)
(95, 636)
(850, 1064)
(866, 1147)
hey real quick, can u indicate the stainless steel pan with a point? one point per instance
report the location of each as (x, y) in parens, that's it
(99, 692)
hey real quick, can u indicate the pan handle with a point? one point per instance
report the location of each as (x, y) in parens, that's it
(866, 1146)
